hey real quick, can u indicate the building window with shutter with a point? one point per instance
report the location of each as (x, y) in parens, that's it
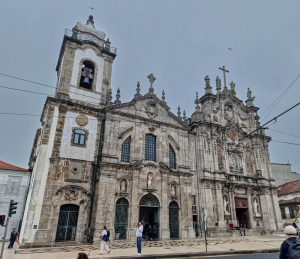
(125, 152)
(150, 148)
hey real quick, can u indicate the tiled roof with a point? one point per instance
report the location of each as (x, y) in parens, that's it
(7, 166)
(294, 200)
(290, 187)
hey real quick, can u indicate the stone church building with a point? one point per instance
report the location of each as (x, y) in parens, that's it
(97, 161)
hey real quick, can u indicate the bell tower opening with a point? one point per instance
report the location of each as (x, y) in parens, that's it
(87, 75)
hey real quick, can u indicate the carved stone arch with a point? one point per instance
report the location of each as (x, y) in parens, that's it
(95, 73)
(71, 192)
(85, 47)
(149, 200)
(173, 142)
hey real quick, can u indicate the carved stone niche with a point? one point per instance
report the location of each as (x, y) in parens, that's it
(72, 192)
(173, 190)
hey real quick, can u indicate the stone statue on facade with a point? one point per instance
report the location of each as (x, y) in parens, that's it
(173, 190)
(255, 205)
(150, 181)
(207, 81)
(123, 186)
(226, 210)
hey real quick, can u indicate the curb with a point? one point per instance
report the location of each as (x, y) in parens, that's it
(188, 255)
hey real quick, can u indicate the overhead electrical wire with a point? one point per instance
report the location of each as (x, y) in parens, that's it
(277, 100)
(284, 133)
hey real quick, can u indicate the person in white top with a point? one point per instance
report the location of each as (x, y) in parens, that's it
(139, 233)
(104, 239)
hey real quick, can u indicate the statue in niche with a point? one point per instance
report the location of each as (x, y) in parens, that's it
(226, 210)
(234, 162)
(150, 180)
(123, 186)
(173, 190)
(255, 205)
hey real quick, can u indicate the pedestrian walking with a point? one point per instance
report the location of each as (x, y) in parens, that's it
(150, 232)
(82, 256)
(154, 235)
(139, 232)
(13, 237)
(290, 247)
(104, 239)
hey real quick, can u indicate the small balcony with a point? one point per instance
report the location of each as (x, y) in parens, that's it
(87, 37)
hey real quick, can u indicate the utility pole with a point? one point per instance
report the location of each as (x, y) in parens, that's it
(3, 238)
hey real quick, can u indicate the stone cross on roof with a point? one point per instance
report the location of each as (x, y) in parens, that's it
(224, 70)
(151, 79)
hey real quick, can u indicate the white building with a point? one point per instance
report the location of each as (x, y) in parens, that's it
(14, 182)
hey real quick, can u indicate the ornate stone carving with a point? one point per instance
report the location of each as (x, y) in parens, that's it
(256, 207)
(72, 191)
(240, 203)
(239, 190)
(173, 190)
(226, 206)
(249, 163)
(123, 186)
(228, 112)
(151, 109)
(149, 180)
(82, 120)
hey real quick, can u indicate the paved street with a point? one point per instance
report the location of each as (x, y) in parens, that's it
(192, 248)
(252, 256)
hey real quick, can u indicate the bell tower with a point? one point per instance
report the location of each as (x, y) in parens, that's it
(84, 65)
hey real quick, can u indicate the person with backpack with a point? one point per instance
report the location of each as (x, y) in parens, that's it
(104, 239)
(290, 248)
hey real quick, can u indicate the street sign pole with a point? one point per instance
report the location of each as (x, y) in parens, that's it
(3, 239)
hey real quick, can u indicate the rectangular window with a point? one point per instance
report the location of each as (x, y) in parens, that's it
(192, 167)
(193, 199)
(125, 152)
(194, 210)
(292, 212)
(283, 215)
(150, 148)
(13, 186)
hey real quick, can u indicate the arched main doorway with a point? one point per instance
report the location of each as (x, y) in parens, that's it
(121, 219)
(149, 210)
(174, 219)
(67, 223)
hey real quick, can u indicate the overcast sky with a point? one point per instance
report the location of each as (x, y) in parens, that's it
(178, 41)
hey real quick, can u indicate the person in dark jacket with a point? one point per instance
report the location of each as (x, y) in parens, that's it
(13, 236)
(154, 234)
(150, 232)
(290, 231)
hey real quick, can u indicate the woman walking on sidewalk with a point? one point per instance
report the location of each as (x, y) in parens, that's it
(104, 239)
(13, 237)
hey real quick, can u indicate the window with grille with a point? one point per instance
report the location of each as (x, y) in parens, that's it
(13, 186)
(79, 137)
(193, 199)
(150, 148)
(172, 158)
(194, 210)
(192, 168)
(125, 152)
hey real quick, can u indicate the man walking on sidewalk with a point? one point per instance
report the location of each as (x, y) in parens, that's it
(139, 232)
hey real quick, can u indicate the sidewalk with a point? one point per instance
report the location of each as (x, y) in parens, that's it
(156, 249)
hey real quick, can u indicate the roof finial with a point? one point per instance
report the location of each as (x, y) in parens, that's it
(184, 115)
(109, 97)
(137, 90)
(197, 102)
(179, 113)
(218, 85)
(151, 79)
(117, 101)
(163, 97)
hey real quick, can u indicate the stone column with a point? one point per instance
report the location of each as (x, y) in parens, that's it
(250, 211)
(232, 205)
(164, 208)
(220, 205)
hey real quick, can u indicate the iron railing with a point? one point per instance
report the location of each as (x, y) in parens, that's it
(87, 37)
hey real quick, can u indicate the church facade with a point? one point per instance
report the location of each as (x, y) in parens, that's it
(99, 162)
